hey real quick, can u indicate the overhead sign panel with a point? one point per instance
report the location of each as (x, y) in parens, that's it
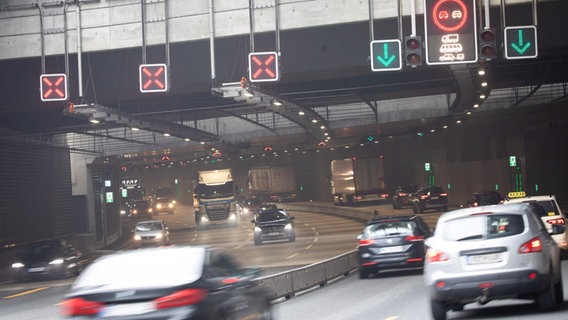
(451, 31)
(521, 42)
(263, 66)
(385, 55)
(53, 87)
(153, 77)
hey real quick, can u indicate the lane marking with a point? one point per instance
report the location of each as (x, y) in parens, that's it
(392, 318)
(25, 293)
(308, 247)
(292, 256)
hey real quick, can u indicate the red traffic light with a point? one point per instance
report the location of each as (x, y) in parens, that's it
(263, 66)
(153, 78)
(487, 44)
(413, 51)
(412, 43)
(53, 87)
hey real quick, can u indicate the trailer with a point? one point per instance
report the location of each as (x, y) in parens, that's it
(355, 181)
(275, 184)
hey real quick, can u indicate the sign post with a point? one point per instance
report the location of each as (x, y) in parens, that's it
(451, 31)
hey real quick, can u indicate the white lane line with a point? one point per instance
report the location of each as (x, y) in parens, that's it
(239, 246)
(292, 256)
(308, 247)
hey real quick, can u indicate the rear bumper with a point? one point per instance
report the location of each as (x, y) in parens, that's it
(517, 284)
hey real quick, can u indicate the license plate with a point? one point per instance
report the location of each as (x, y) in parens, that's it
(391, 249)
(272, 234)
(484, 258)
(40, 269)
(119, 310)
(434, 198)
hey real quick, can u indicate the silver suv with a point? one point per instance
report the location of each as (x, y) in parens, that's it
(491, 252)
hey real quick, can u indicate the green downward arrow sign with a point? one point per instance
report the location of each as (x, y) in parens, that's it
(386, 60)
(520, 48)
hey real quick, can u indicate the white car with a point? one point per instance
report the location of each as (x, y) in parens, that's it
(491, 252)
(552, 216)
(151, 232)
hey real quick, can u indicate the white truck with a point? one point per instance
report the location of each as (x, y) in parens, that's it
(215, 193)
(272, 184)
(356, 181)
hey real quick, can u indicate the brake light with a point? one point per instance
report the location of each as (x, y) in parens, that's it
(181, 298)
(402, 194)
(366, 242)
(433, 255)
(424, 196)
(414, 238)
(534, 245)
(556, 221)
(80, 307)
(443, 194)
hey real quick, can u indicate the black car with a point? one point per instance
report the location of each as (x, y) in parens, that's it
(429, 198)
(46, 260)
(485, 198)
(180, 282)
(248, 208)
(140, 209)
(402, 196)
(392, 243)
(273, 225)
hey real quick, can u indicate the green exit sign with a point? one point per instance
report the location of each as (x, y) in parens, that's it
(521, 42)
(385, 55)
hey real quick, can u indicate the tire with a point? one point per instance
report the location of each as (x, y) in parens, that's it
(266, 311)
(559, 291)
(546, 298)
(438, 310)
(363, 274)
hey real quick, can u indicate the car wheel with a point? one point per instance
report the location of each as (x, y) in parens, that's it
(438, 310)
(545, 298)
(363, 274)
(559, 291)
(292, 237)
(266, 312)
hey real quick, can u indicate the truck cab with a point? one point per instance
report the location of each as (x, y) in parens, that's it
(216, 197)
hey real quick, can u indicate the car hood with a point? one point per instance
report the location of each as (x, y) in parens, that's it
(272, 222)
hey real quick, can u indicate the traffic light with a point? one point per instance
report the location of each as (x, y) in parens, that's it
(487, 44)
(153, 78)
(413, 51)
(263, 66)
(53, 87)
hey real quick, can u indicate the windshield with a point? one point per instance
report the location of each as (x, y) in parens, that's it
(271, 216)
(390, 229)
(213, 192)
(483, 227)
(149, 226)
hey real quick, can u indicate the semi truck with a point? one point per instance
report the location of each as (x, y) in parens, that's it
(276, 184)
(216, 194)
(355, 181)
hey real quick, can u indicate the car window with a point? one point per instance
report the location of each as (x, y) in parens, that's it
(483, 227)
(549, 207)
(149, 226)
(271, 215)
(390, 229)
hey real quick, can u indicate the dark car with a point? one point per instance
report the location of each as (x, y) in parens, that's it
(248, 207)
(181, 282)
(140, 209)
(485, 198)
(392, 243)
(402, 196)
(429, 198)
(273, 225)
(163, 204)
(46, 260)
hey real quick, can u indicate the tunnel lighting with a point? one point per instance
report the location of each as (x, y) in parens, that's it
(458, 121)
(481, 96)
(476, 106)
(361, 144)
(481, 72)
(166, 134)
(432, 130)
(322, 127)
(187, 139)
(202, 142)
(376, 142)
(325, 134)
(135, 129)
(484, 84)
(468, 113)
(301, 112)
(94, 121)
(277, 103)
(314, 121)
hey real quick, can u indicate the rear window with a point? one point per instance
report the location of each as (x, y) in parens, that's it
(488, 226)
(549, 207)
(386, 229)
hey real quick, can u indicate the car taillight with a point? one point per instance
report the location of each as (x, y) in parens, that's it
(556, 221)
(443, 194)
(424, 197)
(534, 245)
(433, 255)
(80, 307)
(366, 242)
(414, 238)
(402, 194)
(180, 298)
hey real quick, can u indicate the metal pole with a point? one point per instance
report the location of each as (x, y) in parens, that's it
(503, 17)
(79, 51)
(143, 10)
(487, 22)
(65, 39)
(251, 20)
(399, 10)
(535, 22)
(167, 27)
(212, 39)
(277, 24)
(42, 44)
(413, 18)
(371, 22)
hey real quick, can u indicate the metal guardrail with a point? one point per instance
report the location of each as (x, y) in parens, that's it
(288, 283)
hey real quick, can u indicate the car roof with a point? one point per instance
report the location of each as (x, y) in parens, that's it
(391, 219)
(144, 268)
(531, 198)
(149, 221)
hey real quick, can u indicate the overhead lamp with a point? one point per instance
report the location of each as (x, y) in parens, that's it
(445, 126)
(166, 134)
(314, 121)
(476, 105)
(468, 113)
(432, 130)
(248, 93)
(301, 112)
(187, 139)
(484, 84)
(458, 121)
(94, 121)
(277, 102)
(482, 96)
(481, 72)
(322, 127)
(376, 142)
(325, 133)
(202, 142)
(135, 129)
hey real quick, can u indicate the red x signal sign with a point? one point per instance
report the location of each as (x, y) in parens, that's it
(53, 87)
(153, 78)
(263, 66)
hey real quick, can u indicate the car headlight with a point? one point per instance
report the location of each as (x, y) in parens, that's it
(173, 202)
(257, 229)
(17, 265)
(232, 217)
(150, 210)
(159, 206)
(137, 237)
(57, 261)
(246, 211)
(288, 227)
(135, 211)
(159, 236)
(171, 205)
